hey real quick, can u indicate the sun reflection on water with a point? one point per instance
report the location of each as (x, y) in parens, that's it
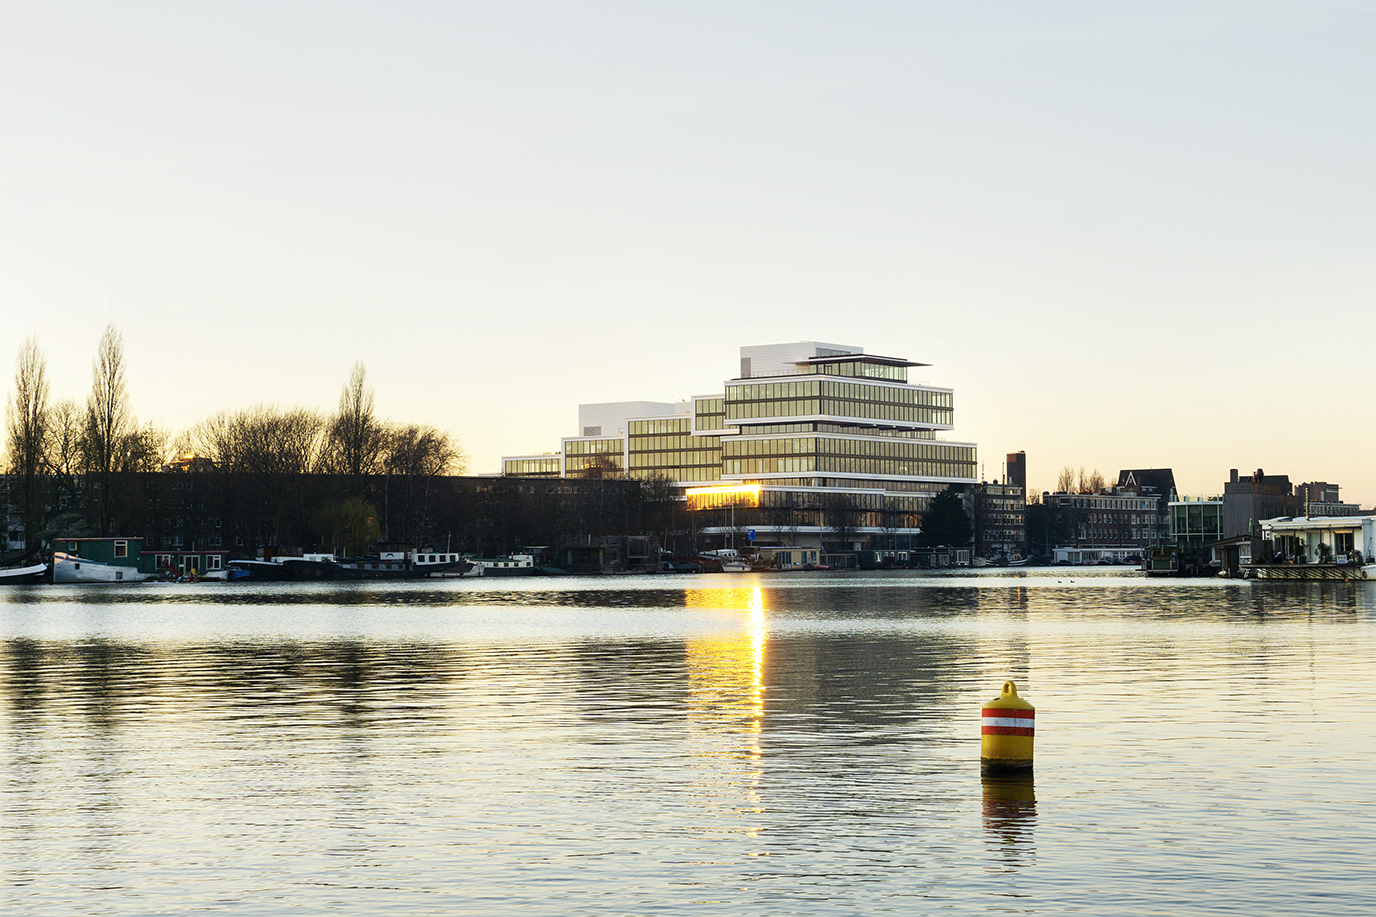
(725, 708)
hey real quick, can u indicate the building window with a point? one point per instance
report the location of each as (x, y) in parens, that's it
(121, 549)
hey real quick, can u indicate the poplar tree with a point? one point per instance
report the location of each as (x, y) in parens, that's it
(356, 436)
(109, 421)
(27, 420)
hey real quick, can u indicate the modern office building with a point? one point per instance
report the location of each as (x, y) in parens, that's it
(814, 446)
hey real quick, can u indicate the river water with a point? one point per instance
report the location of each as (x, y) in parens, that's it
(742, 744)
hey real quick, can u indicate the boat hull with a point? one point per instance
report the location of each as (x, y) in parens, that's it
(69, 568)
(23, 576)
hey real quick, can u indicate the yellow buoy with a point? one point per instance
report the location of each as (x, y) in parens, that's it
(1007, 724)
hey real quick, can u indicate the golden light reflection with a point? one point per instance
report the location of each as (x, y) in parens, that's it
(744, 495)
(726, 668)
(726, 697)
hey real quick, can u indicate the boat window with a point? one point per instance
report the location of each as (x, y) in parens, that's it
(121, 549)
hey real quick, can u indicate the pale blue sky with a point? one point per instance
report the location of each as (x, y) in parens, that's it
(1126, 234)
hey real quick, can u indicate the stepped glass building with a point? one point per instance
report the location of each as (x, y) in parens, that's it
(812, 448)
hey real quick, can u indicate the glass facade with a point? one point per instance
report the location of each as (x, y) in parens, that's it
(746, 401)
(533, 467)
(1195, 524)
(668, 447)
(847, 455)
(709, 414)
(591, 456)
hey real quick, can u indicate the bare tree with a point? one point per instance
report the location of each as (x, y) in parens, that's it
(266, 439)
(412, 449)
(843, 516)
(62, 455)
(109, 420)
(355, 435)
(27, 421)
(210, 438)
(1065, 481)
(416, 456)
(600, 466)
(144, 449)
(1096, 482)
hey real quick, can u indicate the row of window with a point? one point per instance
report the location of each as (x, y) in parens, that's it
(827, 389)
(575, 465)
(1096, 501)
(664, 425)
(921, 487)
(532, 467)
(614, 445)
(683, 473)
(832, 445)
(188, 562)
(667, 443)
(867, 410)
(789, 499)
(669, 459)
(850, 464)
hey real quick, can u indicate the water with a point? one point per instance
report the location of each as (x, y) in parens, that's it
(795, 744)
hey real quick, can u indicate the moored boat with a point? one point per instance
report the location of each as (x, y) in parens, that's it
(730, 561)
(71, 568)
(510, 565)
(403, 565)
(23, 576)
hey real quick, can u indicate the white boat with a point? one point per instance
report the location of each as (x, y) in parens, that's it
(511, 565)
(730, 561)
(19, 576)
(69, 568)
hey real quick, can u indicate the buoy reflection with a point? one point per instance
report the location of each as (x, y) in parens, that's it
(1010, 815)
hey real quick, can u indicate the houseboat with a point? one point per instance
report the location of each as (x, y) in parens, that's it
(1317, 548)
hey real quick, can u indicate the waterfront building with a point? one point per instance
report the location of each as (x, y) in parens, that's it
(1318, 547)
(1322, 499)
(1196, 522)
(1000, 520)
(813, 447)
(1248, 500)
(1157, 484)
(1114, 524)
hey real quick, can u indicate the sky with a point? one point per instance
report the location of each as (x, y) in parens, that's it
(1126, 235)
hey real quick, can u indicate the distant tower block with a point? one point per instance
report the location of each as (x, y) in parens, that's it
(1017, 469)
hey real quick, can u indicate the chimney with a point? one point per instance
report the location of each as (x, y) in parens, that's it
(1232, 475)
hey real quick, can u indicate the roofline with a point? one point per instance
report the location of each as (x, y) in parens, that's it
(860, 358)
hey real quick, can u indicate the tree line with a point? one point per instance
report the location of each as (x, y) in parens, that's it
(71, 463)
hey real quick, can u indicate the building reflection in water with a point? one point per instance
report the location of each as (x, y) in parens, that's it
(725, 702)
(1010, 817)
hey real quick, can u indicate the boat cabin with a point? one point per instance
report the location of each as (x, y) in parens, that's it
(128, 551)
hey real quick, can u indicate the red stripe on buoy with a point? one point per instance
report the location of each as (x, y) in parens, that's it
(1015, 714)
(1006, 731)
